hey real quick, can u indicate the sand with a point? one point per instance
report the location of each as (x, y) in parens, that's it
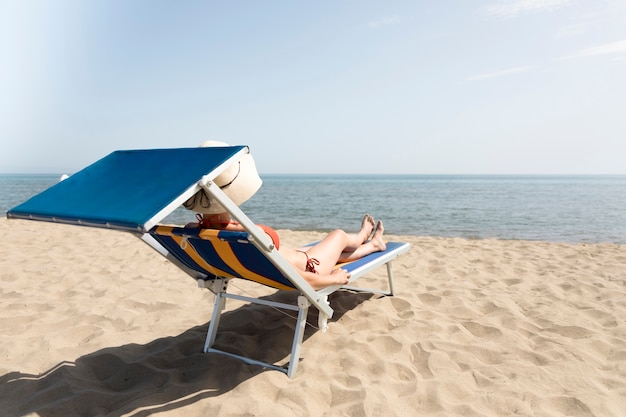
(94, 322)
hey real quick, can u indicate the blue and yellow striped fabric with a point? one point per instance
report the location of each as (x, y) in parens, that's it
(230, 254)
(222, 253)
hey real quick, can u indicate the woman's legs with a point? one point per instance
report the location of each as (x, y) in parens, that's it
(376, 244)
(357, 239)
(339, 245)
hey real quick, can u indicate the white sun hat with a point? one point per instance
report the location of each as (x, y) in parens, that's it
(239, 182)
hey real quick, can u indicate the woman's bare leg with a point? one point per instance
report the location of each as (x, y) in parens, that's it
(337, 246)
(329, 250)
(376, 244)
(367, 227)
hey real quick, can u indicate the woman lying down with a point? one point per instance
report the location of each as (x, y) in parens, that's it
(315, 263)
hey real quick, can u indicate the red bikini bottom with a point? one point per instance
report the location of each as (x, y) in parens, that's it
(310, 262)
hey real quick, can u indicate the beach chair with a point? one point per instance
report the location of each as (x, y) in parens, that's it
(135, 190)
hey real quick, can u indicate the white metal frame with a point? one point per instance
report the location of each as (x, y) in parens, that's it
(219, 288)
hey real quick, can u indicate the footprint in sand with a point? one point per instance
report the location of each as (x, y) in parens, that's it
(479, 330)
(402, 307)
(429, 299)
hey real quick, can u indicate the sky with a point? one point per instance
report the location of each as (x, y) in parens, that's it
(325, 87)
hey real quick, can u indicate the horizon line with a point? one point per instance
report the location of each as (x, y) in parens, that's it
(381, 174)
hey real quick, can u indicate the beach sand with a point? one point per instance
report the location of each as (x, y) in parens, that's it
(94, 322)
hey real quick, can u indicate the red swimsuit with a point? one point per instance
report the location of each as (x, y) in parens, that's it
(310, 262)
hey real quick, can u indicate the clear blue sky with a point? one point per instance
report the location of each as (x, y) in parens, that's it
(459, 87)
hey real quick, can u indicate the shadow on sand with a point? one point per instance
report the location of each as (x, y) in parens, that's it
(167, 373)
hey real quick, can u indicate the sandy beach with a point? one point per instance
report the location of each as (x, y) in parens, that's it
(95, 323)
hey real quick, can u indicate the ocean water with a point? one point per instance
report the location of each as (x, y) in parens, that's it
(547, 208)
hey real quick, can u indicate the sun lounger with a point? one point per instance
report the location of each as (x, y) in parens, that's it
(135, 190)
(214, 257)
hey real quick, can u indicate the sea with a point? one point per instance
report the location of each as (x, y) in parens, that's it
(571, 209)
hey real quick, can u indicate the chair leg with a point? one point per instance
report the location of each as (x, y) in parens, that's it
(303, 309)
(392, 287)
(218, 307)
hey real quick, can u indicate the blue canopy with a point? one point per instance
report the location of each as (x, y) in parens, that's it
(128, 189)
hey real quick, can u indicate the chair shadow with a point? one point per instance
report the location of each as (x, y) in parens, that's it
(167, 373)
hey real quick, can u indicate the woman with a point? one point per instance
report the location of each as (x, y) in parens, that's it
(316, 263)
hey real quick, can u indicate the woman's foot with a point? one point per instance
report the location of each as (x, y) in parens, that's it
(377, 238)
(367, 227)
